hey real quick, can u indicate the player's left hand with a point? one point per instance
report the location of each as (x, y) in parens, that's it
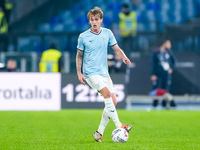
(127, 61)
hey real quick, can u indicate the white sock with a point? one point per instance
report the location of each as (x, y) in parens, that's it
(112, 112)
(104, 121)
(109, 112)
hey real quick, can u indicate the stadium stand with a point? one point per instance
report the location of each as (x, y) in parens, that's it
(149, 12)
(152, 16)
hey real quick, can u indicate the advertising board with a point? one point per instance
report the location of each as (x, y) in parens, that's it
(30, 91)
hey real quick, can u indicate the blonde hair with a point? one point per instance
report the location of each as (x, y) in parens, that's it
(95, 11)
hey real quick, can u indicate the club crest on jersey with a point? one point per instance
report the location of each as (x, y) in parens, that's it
(104, 39)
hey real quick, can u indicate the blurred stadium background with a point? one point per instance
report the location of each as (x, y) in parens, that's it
(34, 24)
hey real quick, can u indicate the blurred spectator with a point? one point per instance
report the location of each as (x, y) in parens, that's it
(3, 22)
(128, 26)
(11, 66)
(135, 4)
(167, 97)
(3, 30)
(116, 65)
(163, 63)
(51, 60)
(6, 8)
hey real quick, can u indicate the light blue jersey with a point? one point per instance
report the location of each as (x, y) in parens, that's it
(95, 47)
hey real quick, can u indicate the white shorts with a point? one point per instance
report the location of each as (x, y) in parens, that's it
(98, 82)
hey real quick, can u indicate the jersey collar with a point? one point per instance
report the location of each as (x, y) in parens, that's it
(96, 33)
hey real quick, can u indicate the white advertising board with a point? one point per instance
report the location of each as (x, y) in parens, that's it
(30, 91)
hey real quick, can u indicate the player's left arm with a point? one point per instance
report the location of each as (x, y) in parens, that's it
(120, 51)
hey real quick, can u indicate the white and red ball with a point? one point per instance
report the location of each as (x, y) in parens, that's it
(120, 135)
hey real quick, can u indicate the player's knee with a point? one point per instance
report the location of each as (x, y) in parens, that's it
(115, 101)
(107, 94)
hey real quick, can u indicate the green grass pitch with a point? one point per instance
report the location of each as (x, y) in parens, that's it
(72, 129)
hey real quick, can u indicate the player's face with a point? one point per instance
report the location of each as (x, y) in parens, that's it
(95, 22)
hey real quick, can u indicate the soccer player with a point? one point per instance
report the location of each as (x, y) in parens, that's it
(91, 59)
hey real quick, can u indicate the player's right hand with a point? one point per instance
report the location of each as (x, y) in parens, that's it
(81, 78)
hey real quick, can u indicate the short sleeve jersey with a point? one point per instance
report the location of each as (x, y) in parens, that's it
(95, 49)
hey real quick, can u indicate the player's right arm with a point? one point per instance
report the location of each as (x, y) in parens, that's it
(79, 61)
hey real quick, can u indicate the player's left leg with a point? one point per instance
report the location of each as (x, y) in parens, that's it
(113, 113)
(110, 109)
(126, 127)
(114, 99)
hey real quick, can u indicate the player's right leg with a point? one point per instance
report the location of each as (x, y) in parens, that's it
(97, 83)
(97, 136)
(104, 121)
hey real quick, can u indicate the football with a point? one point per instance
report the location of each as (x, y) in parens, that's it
(119, 135)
